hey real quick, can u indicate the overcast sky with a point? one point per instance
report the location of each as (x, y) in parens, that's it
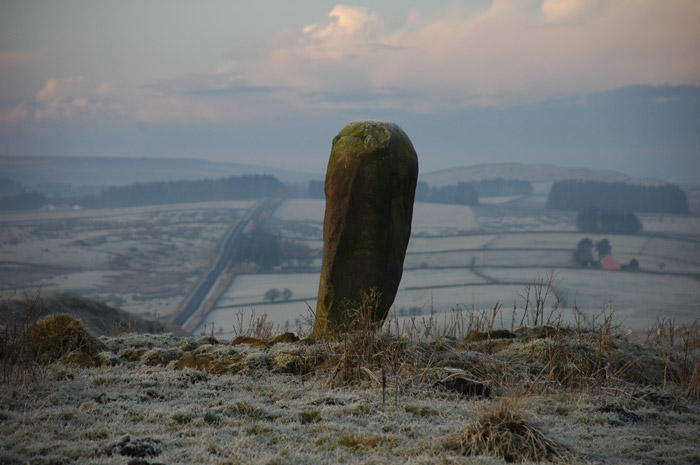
(583, 83)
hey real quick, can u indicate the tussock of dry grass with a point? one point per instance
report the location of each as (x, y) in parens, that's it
(502, 431)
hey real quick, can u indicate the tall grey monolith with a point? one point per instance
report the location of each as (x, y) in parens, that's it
(370, 187)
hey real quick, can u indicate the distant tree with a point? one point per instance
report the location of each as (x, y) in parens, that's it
(587, 220)
(272, 294)
(287, 293)
(616, 221)
(10, 187)
(25, 200)
(207, 190)
(316, 190)
(631, 223)
(610, 221)
(633, 265)
(576, 195)
(502, 187)
(262, 248)
(603, 248)
(462, 193)
(295, 254)
(422, 192)
(583, 255)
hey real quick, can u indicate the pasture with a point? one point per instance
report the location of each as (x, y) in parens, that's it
(462, 258)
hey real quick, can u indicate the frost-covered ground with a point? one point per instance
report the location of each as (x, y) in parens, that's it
(146, 411)
(142, 259)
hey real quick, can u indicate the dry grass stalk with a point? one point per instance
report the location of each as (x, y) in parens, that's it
(256, 326)
(18, 363)
(679, 347)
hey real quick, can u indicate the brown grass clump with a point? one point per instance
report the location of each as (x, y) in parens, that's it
(360, 441)
(201, 362)
(57, 336)
(679, 347)
(503, 432)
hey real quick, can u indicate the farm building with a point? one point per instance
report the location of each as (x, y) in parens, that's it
(609, 263)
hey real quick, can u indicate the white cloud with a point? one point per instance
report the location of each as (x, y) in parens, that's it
(345, 28)
(508, 54)
(565, 11)
(60, 98)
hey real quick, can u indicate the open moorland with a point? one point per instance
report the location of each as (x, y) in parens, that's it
(499, 348)
(418, 393)
(145, 260)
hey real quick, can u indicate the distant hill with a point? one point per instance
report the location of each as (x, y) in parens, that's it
(535, 173)
(98, 318)
(118, 171)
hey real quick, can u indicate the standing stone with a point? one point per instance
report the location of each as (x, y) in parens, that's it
(370, 186)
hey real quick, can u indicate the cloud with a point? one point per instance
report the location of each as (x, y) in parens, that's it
(567, 11)
(15, 115)
(60, 98)
(352, 60)
(12, 59)
(508, 54)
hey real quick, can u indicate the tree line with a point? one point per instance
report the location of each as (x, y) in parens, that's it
(500, 187)
(266, 251)
(578, 195)
(462, 193)
(609, 220)
(155, 193)
(25, 200)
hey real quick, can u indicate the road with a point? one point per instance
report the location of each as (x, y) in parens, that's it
(228, 246)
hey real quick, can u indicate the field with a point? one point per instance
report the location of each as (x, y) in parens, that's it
(461, 258)
(145, 259)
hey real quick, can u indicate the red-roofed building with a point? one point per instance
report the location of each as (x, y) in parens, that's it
(609, 263)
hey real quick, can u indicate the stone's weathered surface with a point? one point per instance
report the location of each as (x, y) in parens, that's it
(370, 187)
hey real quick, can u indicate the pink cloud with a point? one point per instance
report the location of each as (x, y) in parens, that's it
(16, 115)
(58, 88)
(506, 54)
(12, 59)
(352, 59)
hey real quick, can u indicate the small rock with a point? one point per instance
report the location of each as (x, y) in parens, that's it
(624, 414)
(253, 341)
(466, 387)
(133, 448)
(285, 337)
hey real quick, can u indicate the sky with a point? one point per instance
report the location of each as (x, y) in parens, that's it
(602, 84)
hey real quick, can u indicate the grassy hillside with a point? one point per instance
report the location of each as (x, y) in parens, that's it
(120, 171)
(98, 318)
(450, 391)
